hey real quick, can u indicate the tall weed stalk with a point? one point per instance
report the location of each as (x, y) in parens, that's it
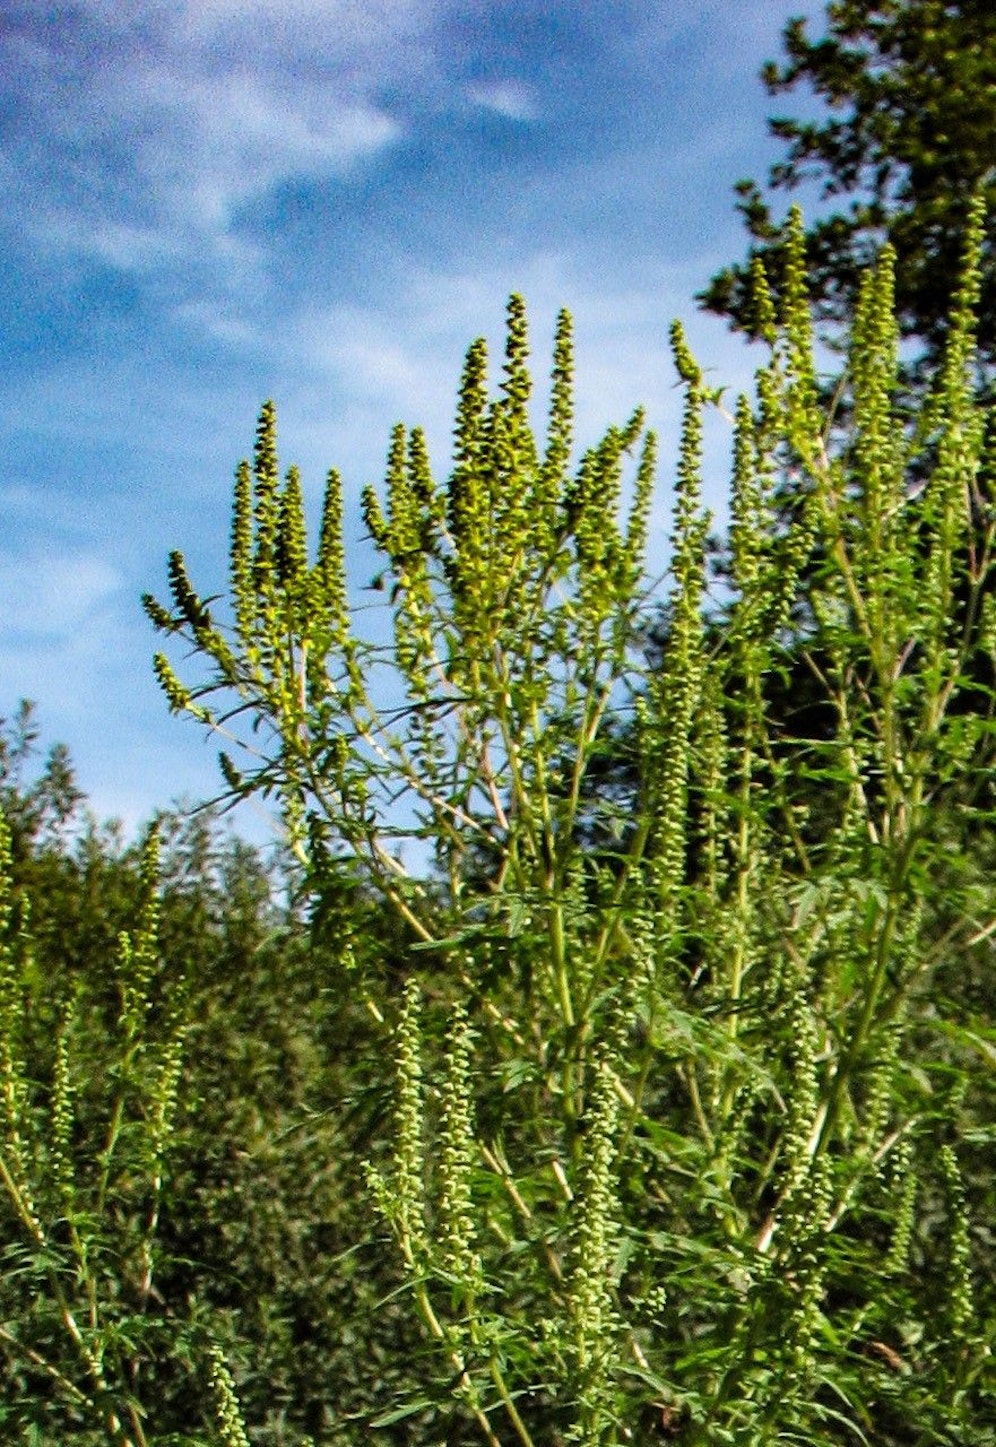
(90, 1077)
(686, 1093)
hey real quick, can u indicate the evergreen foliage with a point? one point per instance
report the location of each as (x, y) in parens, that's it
(910, 91)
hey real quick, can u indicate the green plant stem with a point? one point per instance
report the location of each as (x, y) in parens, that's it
(508, 1403)
(43, 1364)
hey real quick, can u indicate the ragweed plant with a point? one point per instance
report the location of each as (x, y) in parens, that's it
(82, 1323)
(514, 596)
(692, 1148)
(228, 1412)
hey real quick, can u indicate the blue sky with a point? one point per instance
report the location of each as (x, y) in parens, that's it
(206, 204)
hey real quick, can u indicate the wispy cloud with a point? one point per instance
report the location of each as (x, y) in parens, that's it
(509, 98)
(232, 136)
(206, 203)
(143, 129)
(50, 596)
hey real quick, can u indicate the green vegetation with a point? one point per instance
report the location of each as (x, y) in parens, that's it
(910, 92)
(514, 1107)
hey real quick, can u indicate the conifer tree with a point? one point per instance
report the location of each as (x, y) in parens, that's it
(909, 88)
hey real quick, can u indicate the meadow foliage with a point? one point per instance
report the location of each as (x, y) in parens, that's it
(653, 1101)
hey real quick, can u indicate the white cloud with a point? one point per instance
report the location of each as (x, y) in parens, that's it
(139, 143)
(332, 27)
(329, 29)
(52, 595)
(228, 138)
(509, 98)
